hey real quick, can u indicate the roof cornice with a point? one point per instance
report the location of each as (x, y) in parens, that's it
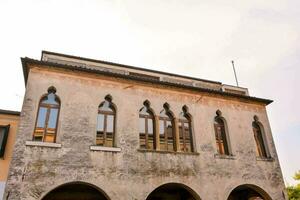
(25, 61)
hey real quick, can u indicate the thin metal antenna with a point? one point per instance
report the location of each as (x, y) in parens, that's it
(236, 80)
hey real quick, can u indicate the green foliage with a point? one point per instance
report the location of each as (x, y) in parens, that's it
(294, 191)
(297, 176)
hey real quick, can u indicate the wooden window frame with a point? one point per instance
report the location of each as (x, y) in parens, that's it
(145, 118)
(5, 138)
(48, 107)
(261, 148)
(170, 119)
(182, 122)
(221, 137)
(105, 122)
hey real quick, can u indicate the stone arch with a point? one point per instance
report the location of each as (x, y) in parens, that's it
(76, 191)
(173, 191)
(248, 192)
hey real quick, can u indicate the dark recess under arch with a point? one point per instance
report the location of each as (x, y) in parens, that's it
(173, 191)
(76, 191)
(248, 192)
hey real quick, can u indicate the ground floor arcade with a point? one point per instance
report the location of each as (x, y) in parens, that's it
(170, 191)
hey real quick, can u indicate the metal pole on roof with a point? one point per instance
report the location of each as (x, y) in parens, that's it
(236, 80)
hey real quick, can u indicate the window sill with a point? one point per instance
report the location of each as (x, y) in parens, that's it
(108, 149)
(220, 156)
(270, 159)
(167, 152)
(42, 144)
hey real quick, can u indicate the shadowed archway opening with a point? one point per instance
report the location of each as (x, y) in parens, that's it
(248, 192)
(76, 191)
(173, 191)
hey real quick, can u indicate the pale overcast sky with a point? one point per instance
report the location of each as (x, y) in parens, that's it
(190, 37)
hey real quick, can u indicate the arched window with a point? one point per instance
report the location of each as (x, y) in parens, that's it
(166, 130)
(185, 131)
(106, 123)
(220, 134)
(146, 127)
(47, 118)
(261, 150)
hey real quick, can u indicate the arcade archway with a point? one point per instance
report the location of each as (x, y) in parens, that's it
(76, 191)
(173, 191)
(248, 192)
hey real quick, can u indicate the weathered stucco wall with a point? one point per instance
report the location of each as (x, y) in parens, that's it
(13, 121)
(132, 174)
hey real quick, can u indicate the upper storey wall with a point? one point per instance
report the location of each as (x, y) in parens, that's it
(89, 91)
(81, 95)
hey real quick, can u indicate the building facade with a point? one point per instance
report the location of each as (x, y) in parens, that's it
(9, 121)
(92, 129)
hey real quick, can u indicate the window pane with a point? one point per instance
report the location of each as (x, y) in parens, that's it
(100, 122)
(110, 124)
(187, 131)
(3, 140)
(161, 127)
(105, 107)
(150, 134)
(180, 130)
(169, 129)
(100, 138)
(38, 134)
(142, 125)
(163, 114)
(41, 117)
(109, 139)
(261, 146)
(162, 135)
(182, 116)
(50, 99)
(144, 110)
(2, 131)
(53, 118)
(150, 126)
(188, 144)
(181, 140)
(51, 128)
(170, 136)
(224, 141)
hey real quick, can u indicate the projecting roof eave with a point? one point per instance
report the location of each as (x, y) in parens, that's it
(26, 61)
(9, 112)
